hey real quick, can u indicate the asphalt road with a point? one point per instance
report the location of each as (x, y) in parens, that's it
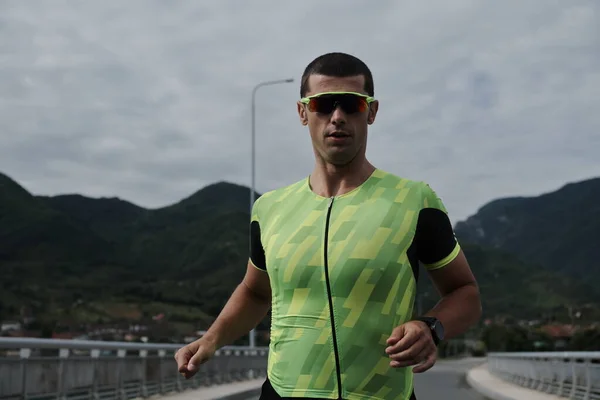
(447, 381)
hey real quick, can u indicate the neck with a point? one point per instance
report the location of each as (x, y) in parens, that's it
(329, 180)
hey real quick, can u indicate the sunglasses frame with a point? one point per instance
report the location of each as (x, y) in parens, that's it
(369, 99)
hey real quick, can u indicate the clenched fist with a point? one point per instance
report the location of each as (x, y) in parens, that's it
(190, 357)
(412, 344)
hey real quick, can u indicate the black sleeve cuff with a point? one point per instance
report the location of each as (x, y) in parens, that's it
(436, 243)
(257, 252)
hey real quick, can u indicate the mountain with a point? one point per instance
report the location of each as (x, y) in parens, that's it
(110, 218)
(511, 287)
(102, 253)
(32, 230)
(90, 260)
(557, 230)
(196, 234)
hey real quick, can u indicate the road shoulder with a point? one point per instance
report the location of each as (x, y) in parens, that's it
(497, 389)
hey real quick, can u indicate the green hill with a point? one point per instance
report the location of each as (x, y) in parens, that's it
(76, 259)
(513, 288)
(31, 230)
(557, 230)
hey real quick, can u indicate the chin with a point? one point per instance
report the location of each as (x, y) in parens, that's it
(340, 159)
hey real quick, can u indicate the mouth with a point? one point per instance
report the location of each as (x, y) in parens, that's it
(338, 134)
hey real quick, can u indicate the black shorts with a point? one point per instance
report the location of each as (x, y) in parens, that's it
(269, 393)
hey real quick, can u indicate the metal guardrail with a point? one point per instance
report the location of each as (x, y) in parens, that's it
(40, 369)
(572, 375)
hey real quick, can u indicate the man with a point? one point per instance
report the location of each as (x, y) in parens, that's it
(336, 257)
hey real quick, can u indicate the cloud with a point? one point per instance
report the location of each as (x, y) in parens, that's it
(150, 100)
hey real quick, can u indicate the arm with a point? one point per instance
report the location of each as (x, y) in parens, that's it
(244, 310)
(250, 301)
(448, 268)
(246, 307)
(460, 305)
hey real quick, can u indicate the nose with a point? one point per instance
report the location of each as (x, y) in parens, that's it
(338, 117)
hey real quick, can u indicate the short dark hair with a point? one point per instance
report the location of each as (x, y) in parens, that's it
(340, 65)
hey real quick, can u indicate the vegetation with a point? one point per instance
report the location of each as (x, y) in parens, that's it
(75, 261)
(557, 231)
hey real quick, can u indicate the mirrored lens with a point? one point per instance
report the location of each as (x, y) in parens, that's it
(347, 102)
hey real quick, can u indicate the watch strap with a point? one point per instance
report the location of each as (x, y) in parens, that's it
(431, 321)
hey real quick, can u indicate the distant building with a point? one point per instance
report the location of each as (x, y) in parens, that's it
(8, 326)
(559, 333)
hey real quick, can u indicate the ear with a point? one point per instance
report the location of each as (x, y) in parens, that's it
(373, 112)
(302, 113)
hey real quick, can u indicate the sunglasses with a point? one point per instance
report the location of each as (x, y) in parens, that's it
(349, 102)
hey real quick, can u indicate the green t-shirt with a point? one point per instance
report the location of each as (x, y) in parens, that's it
(343, 275)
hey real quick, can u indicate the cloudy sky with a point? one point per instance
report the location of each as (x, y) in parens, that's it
(150, 100)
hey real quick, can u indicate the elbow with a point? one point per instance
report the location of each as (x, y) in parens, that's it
(476, 301)
(470, 303)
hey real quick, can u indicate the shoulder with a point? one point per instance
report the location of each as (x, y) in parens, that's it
(418, 192)
(391, 180)
(270, 199)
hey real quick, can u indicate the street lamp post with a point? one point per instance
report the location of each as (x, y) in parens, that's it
(253, 160)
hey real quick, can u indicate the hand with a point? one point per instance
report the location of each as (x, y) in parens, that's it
(190, 357)
(412, 344)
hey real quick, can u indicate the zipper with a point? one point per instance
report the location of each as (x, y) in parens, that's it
(329, 296)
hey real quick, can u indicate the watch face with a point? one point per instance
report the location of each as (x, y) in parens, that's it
(439, 330)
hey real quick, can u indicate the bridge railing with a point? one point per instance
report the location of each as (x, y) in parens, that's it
(573, 375)
(32, 368)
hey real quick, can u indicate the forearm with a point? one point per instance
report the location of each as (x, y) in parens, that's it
(458, 311)
(243, 312)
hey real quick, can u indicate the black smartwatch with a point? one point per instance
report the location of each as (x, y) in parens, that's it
(436, 328)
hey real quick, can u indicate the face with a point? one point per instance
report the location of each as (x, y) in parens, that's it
(338, 137)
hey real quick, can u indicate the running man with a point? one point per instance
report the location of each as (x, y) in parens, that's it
(335, 256)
